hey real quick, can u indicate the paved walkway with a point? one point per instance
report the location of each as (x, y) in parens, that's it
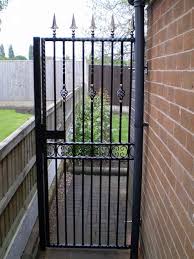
(87, 212)
(84, 254)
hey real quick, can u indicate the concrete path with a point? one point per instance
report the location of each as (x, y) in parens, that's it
(88, 225)
(84, 254)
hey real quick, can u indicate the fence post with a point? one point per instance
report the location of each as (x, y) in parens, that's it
(138, 127)
(39, 153)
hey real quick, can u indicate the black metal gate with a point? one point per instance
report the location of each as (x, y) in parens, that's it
(85, 144)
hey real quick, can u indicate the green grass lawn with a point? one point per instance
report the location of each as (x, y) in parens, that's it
(124, 127)
(10, 120)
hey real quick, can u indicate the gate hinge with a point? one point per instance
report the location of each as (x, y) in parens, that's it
(145, 124)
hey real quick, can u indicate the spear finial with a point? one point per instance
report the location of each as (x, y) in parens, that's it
(132, 23)
(112, 26)
(73, 26)
(54, 26)
(93, 26)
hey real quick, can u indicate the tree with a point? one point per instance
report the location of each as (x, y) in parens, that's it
(3, 4)
(11, 52)
(122, 12)
(120, 9)
(2, 52)
(30, 53)
(20, 57)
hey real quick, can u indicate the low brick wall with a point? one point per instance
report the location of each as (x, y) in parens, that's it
(168, 178)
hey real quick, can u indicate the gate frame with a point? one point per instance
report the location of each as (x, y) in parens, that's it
(39, 142)
(138, 126)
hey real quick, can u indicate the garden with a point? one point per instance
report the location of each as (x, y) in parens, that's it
(95, 128)
(92, 124)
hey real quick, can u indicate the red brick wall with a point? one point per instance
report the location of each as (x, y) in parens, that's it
(168, 179)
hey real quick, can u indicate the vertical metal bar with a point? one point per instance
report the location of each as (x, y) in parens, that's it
(83, 132)
(92, 140)
(44, 144)
(101, 139)
(73, 82)
(120, 140)
(129, 139)
(64, 164)
(139, 112)
(110, 133)
(38, 132)
(55, 128)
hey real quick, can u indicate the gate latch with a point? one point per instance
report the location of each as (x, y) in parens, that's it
(146, 68)
(128, 221)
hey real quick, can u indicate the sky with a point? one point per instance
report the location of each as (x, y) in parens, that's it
(24, 19)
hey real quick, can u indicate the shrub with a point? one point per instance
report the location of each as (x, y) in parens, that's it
(87, 149)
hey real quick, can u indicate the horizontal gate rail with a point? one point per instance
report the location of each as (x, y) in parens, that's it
(88, 143)
(106, 151)
(109, 39)
(90, 246)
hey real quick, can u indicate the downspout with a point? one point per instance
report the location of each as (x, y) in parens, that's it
(138, 126)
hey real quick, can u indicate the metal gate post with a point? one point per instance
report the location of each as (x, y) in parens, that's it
(138, 127)
(39, 153)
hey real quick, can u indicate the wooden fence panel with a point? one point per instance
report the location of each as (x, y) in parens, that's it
(18, 172)
(17, 79)
(116, 81)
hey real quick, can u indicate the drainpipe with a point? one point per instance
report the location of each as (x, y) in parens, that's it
(138, 126)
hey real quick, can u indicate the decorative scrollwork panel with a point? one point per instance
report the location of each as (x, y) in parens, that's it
(90, 150)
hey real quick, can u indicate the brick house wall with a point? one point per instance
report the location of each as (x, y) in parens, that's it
(167, 229)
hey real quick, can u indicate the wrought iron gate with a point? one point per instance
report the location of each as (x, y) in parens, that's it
(86, 143)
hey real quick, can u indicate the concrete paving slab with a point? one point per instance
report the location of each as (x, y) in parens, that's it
(84, 254)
